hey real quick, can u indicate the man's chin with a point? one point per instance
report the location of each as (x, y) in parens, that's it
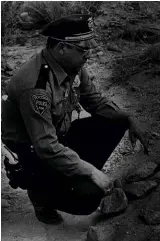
(80, 67)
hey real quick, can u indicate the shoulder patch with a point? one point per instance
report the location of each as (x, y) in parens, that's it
(40, 103)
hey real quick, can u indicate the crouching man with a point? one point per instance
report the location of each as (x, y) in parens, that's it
(62, 160)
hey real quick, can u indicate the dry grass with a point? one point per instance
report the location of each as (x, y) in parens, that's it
(125, 67)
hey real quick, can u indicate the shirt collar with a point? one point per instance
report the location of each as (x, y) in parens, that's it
(56, 68)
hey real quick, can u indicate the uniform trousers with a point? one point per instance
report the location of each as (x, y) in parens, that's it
(94, 139)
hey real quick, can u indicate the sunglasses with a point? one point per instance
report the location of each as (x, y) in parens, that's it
(79, 48)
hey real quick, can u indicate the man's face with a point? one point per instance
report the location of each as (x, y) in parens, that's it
(75, 56)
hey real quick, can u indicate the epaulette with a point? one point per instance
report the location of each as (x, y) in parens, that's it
(43, 77)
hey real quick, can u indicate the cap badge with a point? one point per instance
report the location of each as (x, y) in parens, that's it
(90, 23)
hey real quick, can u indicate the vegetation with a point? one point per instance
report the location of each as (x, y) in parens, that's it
(126, 21)
(10, 20)
(25, 15)
(125, 67)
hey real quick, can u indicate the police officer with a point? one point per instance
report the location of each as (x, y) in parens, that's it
(63, 159)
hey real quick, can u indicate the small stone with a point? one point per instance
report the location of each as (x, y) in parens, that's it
(10, 66)
(114, 203)
(24, 15)
(138, 189)
(4, 97)
(142, 172)
(99, 48)
(23, 61)
(100, 53)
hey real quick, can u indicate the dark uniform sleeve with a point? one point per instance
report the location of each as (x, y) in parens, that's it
(35, 107)
(93, 101)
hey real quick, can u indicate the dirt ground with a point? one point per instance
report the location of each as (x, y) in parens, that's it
(139, 94)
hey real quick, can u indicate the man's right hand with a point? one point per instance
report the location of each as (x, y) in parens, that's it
(102, 181)
(136, 132)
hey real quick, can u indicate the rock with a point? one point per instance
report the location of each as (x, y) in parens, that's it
(24, 15)
(9, 73)
(9, 54)
(102, 60)
(10, 66)
(113, 48)
(152, 217)
(4, 203)
(151, 209)
(100, 53)
(4, 97)
(114, 203)
(155, 135)
(142, 172)
(99, 48)
(138, 189)
(100, 233)
(121, 228)
(23, 61)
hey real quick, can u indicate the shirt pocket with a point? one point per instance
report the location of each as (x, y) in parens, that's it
(59, 110)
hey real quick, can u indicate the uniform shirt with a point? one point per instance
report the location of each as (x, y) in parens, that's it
(40, 102)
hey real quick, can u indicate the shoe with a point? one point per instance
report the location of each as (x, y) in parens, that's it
(48, 216)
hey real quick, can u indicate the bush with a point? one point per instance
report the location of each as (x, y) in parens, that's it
(37, 14)
(10, 20)
(124, 68)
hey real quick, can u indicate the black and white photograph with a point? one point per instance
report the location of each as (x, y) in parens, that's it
(80, 120)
